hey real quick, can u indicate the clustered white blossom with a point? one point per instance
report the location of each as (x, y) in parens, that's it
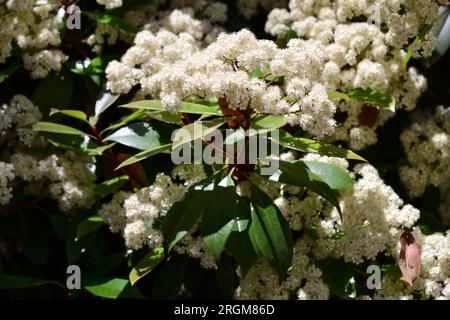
(15, 116)
(6, 176)
(69, 178)
(34, 26)
(304, 279)
(180, 19)
(110, 4)
(362, 55)
(174, 69)
(427, 146)
(134, 214)
(373, 220)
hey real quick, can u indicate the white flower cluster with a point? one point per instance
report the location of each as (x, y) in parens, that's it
(195, 247)
(304, 278)
(373, 220)
(181, 19)
(20, 112)
(35, 26)
(373, 215)
(69, 178)
(427, 147)
(362, 55)
(6, 176)
(174, 69)
(135, 214)
(110, 4)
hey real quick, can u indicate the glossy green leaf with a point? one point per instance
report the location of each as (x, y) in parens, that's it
(169, 279)
(9, 70)
(55, 91)
(105, 100)
(270, 233)
(373, 97)
(195, 131)
(89, 225)
(322, 148)
(182, 216)
(338, 95)
(56, 128)
(166, 117)
(186, 107)
(111, 186)
(137, 115)
(298, 174)
(19, 282)
(268, 122)
(338, 275)
(112, 20)
(147, 264)
(140, 135)
(76, 114)
(218, 219)
(144, 155)
(107, 288)
(77, 143)
(335, 177)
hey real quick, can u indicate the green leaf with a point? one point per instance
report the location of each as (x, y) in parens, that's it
(182, 216)
(89, 225)
(111, 186)
(105, 101)
(169, 279)
(338, 95)
(218, 223)
(443, 38)
(335, 177)
(112, 20)
(166, 117)
(144, 155)
(186, 107)
(76, 143)
(298, 174)
(373, 97)
(339, 277)
(55, 91)
(283, 41)
(268, 122)
(196, 130)
(56, 128)
(106, 288)
(392, 270)
(147, 264)
(241, 248)
(226, 277)
(322, 148)
(77, 114)
(256, 73)
(417, 40)
(19, 282)
(9, 70)
(137, 115)
(141, 135)
(270, 233)
(35, 237)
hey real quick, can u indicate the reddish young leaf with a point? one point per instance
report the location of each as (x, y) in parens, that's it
(409, 260)
(368, 116)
